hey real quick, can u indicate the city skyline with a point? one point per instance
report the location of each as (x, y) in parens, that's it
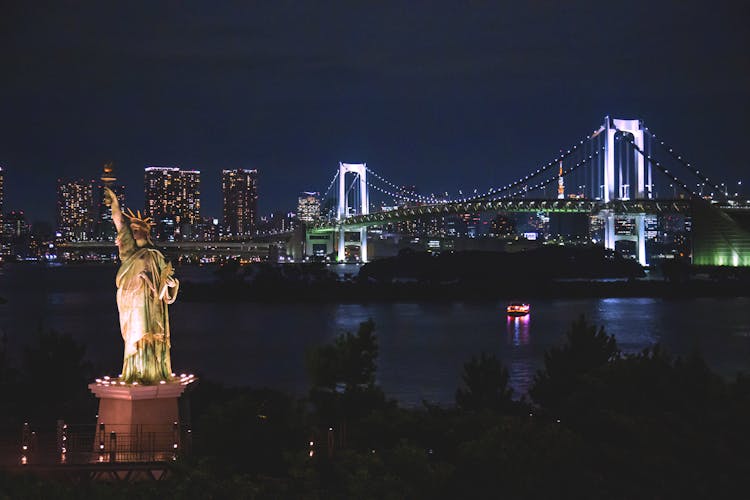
(465, 97)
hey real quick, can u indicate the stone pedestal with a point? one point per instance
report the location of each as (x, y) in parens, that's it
(138, 423)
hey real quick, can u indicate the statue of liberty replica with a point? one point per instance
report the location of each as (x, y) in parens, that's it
(145, 287)
(139, 418)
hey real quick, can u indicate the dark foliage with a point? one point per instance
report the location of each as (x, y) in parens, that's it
(585, 351)
(249, 431)
(55, 380)
(343, 378)
(486, 385)
(347, 363)
(606, 425)
(535, 266)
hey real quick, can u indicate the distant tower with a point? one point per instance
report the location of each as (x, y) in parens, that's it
(240, 192)
(560, 184)
(75, 200)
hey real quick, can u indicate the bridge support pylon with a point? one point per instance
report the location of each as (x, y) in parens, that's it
(341, 250)
(341, 247)
(611, 237)
(616, 187)
(360, 169)
(640, 230)
(363, 244)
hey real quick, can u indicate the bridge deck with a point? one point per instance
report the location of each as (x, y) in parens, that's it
(511, 205)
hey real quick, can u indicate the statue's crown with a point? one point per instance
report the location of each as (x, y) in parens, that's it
(138, 219)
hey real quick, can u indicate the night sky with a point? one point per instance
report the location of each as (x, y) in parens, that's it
(441, 95)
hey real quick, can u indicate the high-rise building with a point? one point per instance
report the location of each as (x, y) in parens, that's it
(75, 203)
(2, 199)
(104, 227)
(240, 192)
(2, 190)
(308, 207)
(189, 197)
(173, 200)
(159, 186)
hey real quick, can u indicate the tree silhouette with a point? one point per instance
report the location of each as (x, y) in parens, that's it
(343, 378)
(486, 385)
(565, 368)
(348, 363)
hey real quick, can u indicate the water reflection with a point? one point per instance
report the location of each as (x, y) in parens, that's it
(518, 330)
(520, 368)
(422, 345)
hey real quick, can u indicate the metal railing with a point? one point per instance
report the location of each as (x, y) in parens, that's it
(100, 443)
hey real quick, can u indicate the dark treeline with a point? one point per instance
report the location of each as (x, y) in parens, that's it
(596, 423)
(550, 271)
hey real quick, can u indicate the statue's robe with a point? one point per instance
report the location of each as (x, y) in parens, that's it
(145, 286)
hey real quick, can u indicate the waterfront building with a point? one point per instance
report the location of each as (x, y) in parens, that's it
(308, 207)
(503, 225)
(75, 203)
(472, 222)
(173, 201)
(16, 234)
(240, 202)
(207, 229)
(276, 222)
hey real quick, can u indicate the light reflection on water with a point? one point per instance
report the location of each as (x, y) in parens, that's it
(521, 368)
(422, 346)
(518, 329)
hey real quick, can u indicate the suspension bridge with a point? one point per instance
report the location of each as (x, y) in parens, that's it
(619, 171)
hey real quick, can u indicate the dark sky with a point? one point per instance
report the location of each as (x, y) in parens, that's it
(442, 95)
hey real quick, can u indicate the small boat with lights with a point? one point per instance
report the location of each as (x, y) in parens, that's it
(517, 309)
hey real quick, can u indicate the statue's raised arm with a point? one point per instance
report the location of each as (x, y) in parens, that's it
(110, 199)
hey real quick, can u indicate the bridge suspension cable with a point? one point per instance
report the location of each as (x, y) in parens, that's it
(402, 196)
(335, 176)
(492, 192)
(496, 192)
(546, 182)
(416, 196)
(662, 168)
(679, 158)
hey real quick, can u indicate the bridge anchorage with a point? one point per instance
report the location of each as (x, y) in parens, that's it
(612, 174)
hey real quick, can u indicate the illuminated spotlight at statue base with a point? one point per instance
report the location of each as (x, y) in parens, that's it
(140, 423)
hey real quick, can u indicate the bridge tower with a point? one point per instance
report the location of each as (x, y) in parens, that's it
(617, 185)
(360, 170)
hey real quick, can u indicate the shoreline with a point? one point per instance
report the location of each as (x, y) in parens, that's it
(351, 292)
